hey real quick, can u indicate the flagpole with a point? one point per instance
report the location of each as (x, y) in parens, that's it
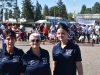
(74, 9)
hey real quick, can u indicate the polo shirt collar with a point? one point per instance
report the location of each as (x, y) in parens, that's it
(5, 51)
(67, 45)
(31, 53)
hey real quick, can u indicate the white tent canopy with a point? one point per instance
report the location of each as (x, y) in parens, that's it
(41, 21)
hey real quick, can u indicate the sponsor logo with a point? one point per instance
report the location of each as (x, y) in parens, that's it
(4, 59)
(68, 52)
(15, 58)
(33, 62)
(44, 60)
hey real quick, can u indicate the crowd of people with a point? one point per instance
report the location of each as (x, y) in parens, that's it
(81, 33)
(66, 55)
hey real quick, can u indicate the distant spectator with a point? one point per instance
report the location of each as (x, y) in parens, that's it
(29, 33)
(9, 26)
(2, 38)
(52, 37)
(41, 27)
(94, 38)
(15, 27)
(52, 27)
(22, 27)
(34, 26)
(2, 27)
(20, 36)
(45, 32)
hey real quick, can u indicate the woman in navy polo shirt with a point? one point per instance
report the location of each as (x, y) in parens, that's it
(66, 55)
(36, 59)
(10, 56)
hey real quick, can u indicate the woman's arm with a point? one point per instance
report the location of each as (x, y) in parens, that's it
(50, 72)
(22, 73)
(53, 66)
(79, 67)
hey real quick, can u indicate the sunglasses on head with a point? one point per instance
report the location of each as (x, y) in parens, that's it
(35, 40)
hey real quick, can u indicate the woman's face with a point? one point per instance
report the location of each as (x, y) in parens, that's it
(10, 41)
(62, 34)
(35, 42)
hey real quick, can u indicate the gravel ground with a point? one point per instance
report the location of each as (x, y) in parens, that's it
(90, 56)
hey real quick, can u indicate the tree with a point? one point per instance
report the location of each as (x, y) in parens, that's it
(16, 13)
(7, 4)
(88, 11)
(27, 9)
(45, 11)
(53, 11)
(62, 9)
(38, 14)
(64, 12)
(10, 14)
(70, 17)
(96, 8)
(6, 14)
(83, 9)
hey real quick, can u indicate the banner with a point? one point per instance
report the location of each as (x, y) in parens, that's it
(85, 22)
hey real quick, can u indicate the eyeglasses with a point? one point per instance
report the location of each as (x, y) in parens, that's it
(35, 41)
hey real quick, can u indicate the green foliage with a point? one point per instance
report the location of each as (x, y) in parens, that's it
(62, 9)
(45, 11)
(70, 17)
(6, 14)
(88, 11)
(27, 9)
(96, 8)
(83, 9)
(53, 11)
(10, 14)
(38, 14)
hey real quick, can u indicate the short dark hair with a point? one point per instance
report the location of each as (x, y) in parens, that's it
(63, 26)
(10, 33)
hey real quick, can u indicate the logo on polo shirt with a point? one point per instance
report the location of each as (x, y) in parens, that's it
(68, 52)
(15, 58)
(44, 60)
(33, 62)
(4, 59)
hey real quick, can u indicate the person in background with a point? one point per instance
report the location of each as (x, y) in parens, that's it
(34, 27)
(10, 56)
(9, 26)
(2, 38)
(53, 27)
(20, 36)
(2, 27)
(45, 33)
(66, 55)
(29, 33)
(22, 27)
(36, 60)
(52, 37)
(41, 27)
(89, 32)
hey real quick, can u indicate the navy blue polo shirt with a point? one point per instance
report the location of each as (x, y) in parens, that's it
(35, 65)
(66, 58)
(11, 64)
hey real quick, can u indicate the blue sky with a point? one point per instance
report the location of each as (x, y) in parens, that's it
(69, 4)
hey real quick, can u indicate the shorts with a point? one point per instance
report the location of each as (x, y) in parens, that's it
(41, 35)
(45, 36)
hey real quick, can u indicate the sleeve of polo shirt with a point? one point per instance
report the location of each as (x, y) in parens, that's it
(48, 58)
(22, 68)
(24, 61)
(78, 54)
(54, 54)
